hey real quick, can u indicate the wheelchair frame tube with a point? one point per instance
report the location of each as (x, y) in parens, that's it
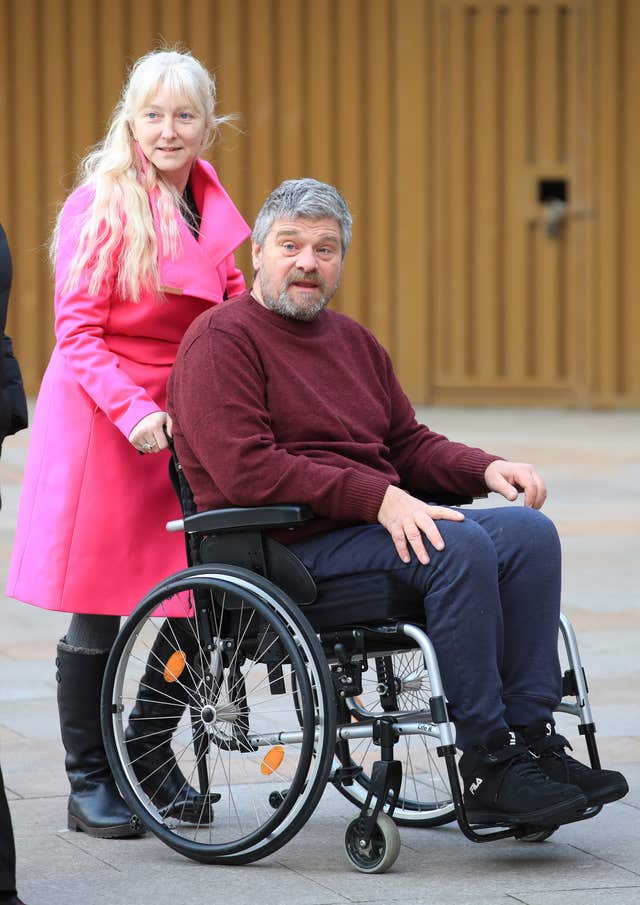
(359, 730)
(571, 645)
(437, 689)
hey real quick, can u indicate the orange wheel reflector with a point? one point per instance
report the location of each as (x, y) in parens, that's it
(272, 760)
(356, 716)
(174, 667)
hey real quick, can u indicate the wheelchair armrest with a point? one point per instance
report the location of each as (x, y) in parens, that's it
(441, 498)
(241, 519)
(447, 499)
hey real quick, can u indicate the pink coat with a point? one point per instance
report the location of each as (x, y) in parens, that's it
(91, 527)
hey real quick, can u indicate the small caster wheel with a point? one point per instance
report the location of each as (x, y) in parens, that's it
(538, 835)
(382, 850)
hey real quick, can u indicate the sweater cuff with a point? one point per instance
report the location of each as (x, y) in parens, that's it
(475, 462)
(362, 496)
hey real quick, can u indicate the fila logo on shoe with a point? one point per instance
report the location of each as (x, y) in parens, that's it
(475, 785)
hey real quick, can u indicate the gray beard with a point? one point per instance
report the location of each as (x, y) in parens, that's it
(286, 307)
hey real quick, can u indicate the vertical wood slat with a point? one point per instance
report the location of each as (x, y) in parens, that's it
(528, 296)
(501, 201)
(631, 187)
(459, 198)
(6, 109)
(352, 150)
(199, 26)
(260, 113)
(412, 236)
(57, 171)
(230, 153)
(84, 101)
(571, 149)
(112, 45)
(143, 28)
(483, 327)
(291, 69)
(377, 221)
(26, 172)
(608, 236)
(171, 25)
(622, 256)
(438, 200)
(572, 146)
(200, 20)
(548, 250)
(547, 87)
(517, 193)
(321, 91)
(7, 182)
(584, 99)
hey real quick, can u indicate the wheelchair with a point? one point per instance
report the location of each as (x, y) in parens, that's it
(271, 687)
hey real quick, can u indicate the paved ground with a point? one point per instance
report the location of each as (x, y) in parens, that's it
(592, 466)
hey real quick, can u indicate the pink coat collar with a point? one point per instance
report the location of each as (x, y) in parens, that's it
(222, 230)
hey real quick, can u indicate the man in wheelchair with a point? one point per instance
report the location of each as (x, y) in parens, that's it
(277, 399)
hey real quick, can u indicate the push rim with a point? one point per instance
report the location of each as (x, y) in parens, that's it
(307, 758)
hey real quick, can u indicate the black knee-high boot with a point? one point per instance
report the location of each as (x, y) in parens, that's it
(160, 702)
(95, 805)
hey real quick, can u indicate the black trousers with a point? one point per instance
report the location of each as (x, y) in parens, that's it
(7, 847)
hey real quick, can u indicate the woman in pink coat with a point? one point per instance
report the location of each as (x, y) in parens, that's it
(142, 246)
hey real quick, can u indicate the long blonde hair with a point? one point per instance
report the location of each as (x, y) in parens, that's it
(114, 168)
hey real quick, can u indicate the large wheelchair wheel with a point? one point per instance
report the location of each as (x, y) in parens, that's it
(399, 685)
(259, 714)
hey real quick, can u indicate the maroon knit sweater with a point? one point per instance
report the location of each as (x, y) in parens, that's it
(271, 410)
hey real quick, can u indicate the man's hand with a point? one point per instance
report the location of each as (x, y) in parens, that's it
(509, 478)
(407, 518)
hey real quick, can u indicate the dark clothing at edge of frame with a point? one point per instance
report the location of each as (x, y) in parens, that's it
(7, 848)
(13, 417)
(13, 404)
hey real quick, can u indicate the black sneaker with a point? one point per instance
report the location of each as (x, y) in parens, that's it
(600, 786)
(504, 785)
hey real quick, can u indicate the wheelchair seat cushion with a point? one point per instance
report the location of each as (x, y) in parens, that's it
(364, 599)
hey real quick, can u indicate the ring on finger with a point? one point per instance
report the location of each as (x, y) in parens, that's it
(148, 445)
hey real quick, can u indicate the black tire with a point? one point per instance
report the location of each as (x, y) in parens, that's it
(425, 797)
(233, 696)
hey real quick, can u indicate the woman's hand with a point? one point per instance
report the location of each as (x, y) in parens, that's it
(148, 436)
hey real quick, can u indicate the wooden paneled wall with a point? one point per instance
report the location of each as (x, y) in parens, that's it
(436, 118)
(511, 117)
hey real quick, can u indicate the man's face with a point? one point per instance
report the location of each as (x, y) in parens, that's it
(298, 267)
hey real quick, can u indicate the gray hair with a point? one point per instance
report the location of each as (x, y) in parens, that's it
(303, 198)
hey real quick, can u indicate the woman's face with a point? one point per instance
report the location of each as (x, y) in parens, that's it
(171, 135)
